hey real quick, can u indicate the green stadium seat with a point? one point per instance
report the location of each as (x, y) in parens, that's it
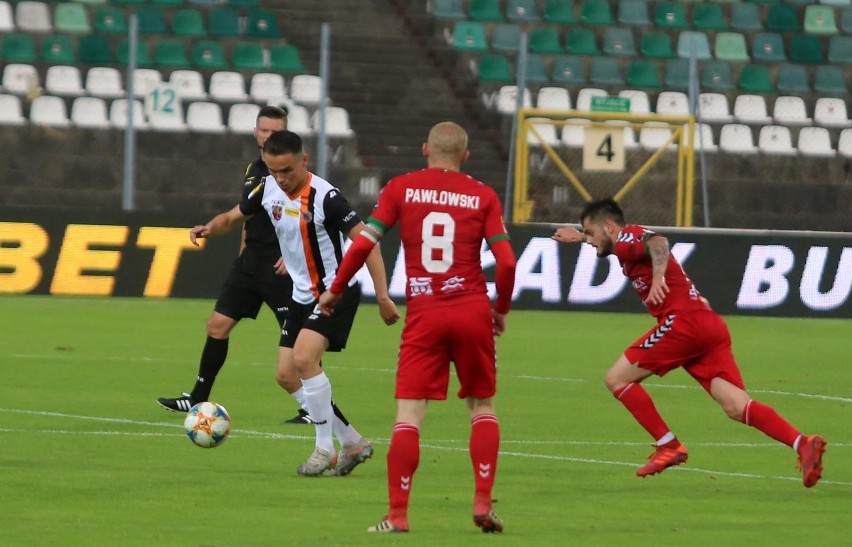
(670, 15)
(93, 49)
(756, 79)
(286, 58)
(716, 76)
(248, 56)
(143, 52)
(188, 22)
(840, 50)
(18, 47)
(545, 40)
(805, 48)
(110, 19)
(745, 17)
(731, 46)
(92, 2)
(171, 53)
(57, 49)
(657, 45)
(506, 37)
(677, 74)
(485, 10)
(829, 79)
(151, 20)
(643, 73)
(764, 1)
(605, 71)
(494, 68)
(469, 36)
(560, 12)
(768, 47)
(568, 70)
(208, 54)
(127, 2)
(596, 12)
(168, 3)
(223, 22)
(536, 70)
(581, 41)
(782, 18)
(798, 2)
(243, 3)
(707, 16)
(846, 20)
(262, 24)
(793, 79)
(619, 41)
(693, 42)
(820, 20)
(634, 13)
(448, 9)
(522, 11)
(71, 17)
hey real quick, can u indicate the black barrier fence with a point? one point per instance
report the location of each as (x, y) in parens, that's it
(807, 274)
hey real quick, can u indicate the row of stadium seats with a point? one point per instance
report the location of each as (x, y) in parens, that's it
(201, 116)
(172, 3)
(712, 107)
(108, 82)
(73, 17)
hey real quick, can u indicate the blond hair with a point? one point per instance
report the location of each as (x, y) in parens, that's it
(447, 140)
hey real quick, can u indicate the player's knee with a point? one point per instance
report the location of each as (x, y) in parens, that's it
(219, 326)
(287, 380)
(613, 382)
(732, 409)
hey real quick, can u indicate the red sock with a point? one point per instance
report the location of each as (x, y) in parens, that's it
(403, 458)
(634, 397)
(484, 444)
(766, 419)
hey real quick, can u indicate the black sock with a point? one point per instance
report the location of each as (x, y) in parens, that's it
(212, 358)
(339, 413)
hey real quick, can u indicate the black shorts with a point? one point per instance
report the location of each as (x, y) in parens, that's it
(246, 289)
(335, 328)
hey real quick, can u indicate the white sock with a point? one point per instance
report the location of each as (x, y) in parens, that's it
(299, 395)
(344, 432)
(668, 437)
(318, 403)
(796, 443)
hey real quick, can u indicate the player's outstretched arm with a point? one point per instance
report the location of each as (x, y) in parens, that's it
(568, 234)
(218, 225)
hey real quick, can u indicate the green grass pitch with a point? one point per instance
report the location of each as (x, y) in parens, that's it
(88, 458)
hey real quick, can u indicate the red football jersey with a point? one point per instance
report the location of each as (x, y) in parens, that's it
(443, 217)
(636, 264)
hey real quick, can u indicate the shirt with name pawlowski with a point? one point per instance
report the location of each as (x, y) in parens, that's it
(311, 228)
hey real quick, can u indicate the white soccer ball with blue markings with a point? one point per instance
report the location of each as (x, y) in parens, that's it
(207, 424)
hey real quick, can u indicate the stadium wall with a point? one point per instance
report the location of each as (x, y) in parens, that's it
(743, 272)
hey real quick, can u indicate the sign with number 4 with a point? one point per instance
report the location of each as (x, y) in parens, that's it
(603, 149)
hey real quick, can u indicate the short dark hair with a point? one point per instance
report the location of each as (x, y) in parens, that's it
(283, 142)
(603, 209)
(272, 111)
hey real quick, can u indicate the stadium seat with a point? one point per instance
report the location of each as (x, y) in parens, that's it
(574, 134)
(118, 114)
(63, 80)
(285, 58)
(693, 42)
(71, 17)
(708, 16)
(151, 20)
(831, 112)
(242, 3)
(844, 144)
(469, 36)
(756, 79)
(522, 11)
(242, 118)
(31, 16)
(751, 109)
(188, 84)
(143, 52)
(643, 73)
(536, 70)
(560, 12)
(506, 37)
(596, 12)
(89, 113)
(630, 142)
(702, 137)
(654, 135)
(249, 56)
(768, 47)
(736, 138)
(840, 50)
(713, 107)
(223, 22)
(836, 2)
(130, 3)
(267, 88)
(448, 9)
(670, 15)
(782, 18)
(581, 41)
(553, 98)
(633, 13)
(262, 24)
(639, 102)
(188, 22)
(545, 40)
(605, 71)
(792, 79)
(546, 130)
(229, 86)
(805, 48)
(171, 53)
(584, 97)
(110, 19)
(716, 76)
(745, 17)
(18, 47)
(677, 74)
(144, 80)
(846, 20)
(820, 20)
(568, 70)
(172, 122)
(299, 121)
(204, 117)
(619, 41)
(731, 46)
(494, 68)
(790, 110)
(207, 54)
(57, 49)
(816, 142)
(336, 122)
(167, 3)
(94, 50)
(829, 80)
(672, 102)
(7, 23)
(49, 110)
(104, 82)
(485, 10)
(11, 112)
(657, 45)
(507, 99)
(775, 140)
(20, 79)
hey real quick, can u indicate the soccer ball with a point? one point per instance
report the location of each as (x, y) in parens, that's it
(207, 424)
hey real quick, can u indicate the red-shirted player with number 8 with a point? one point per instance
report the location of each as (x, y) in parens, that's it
(444, 215)
(688, 334)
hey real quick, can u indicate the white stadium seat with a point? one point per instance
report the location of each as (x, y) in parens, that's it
(584, 97)
(553, 98)
(776, 140)
(89, 112)
(105, 82)
(546, 130)
(305, 89)
(672, 102)
(751, 109)
(267, 88)
(242, 118)
(639, 103)
(790, 111)
(49, 110)
(831, 112)
(815, 141)
(298, 120)
(507, 99)
(702, 138)
(736, 138)
(64, 80)
(188, 84)
(204, 117)
(228, 87)
(20, 79)
(653, 135)
(11, 112)
(844, 144)
(574, 134)
(118, 114)
(6, 22)
(336, 122)
(144, 80)
(33, 16)
(713, 107)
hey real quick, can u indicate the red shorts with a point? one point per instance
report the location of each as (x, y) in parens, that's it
(698, 341)
(433, 336)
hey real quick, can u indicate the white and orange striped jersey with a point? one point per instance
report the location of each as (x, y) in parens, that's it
(311, 228)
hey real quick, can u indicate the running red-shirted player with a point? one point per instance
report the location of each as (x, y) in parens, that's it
(688, 334)
(443, 215)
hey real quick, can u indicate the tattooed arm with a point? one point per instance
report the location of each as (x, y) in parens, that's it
(658, 249)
